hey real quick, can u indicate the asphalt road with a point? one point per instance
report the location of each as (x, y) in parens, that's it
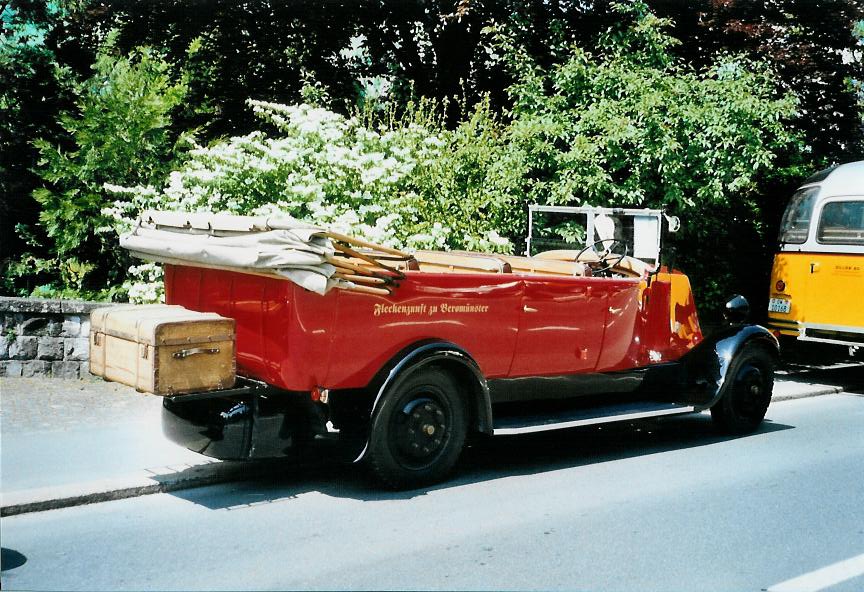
(653, 505)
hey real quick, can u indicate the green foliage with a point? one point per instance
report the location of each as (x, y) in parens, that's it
(813, 51)
(857, 84)
(120, 133)
(474, 186)
(31, 88)
(631, 124)
(56, 278)
(569, 103)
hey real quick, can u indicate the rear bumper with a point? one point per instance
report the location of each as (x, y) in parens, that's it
(836, 334)
(817, 332)
(252, 422)
(790, 328)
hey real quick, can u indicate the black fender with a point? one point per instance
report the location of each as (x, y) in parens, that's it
(444, 354)
(707, 364)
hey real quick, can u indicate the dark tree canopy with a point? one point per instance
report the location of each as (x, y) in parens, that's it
(810, 43)
(224, 52)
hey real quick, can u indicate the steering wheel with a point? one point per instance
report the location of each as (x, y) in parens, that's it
(605, 262)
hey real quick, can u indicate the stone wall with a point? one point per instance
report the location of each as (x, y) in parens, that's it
(45, 337)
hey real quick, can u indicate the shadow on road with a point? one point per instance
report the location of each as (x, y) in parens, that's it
(484, 459)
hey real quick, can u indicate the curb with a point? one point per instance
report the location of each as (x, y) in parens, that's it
(145, 482)
(815, 390)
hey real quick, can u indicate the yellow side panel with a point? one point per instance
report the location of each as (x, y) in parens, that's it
(824, 288)
(683, 319)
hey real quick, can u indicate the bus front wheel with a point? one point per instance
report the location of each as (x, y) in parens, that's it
(746, 392)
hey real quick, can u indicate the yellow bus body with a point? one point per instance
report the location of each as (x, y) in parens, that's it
(826, 294)
(817, 281)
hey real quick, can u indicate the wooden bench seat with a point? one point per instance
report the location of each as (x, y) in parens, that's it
(460, 262)
(533, 265)
(628, 264)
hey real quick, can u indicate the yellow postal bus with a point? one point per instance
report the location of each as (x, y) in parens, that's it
(817, 282)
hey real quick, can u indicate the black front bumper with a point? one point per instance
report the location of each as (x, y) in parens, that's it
(254, 421)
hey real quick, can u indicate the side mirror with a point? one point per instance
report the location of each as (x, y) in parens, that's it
(737, 310)
(673, 223)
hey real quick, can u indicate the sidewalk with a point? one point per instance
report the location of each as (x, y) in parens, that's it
(73, 442)
(70, 442)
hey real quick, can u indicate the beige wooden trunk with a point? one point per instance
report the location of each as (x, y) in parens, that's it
(162, 349)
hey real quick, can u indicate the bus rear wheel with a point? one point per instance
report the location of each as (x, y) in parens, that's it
(418, 431)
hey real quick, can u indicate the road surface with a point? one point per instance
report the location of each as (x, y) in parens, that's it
(650, 505)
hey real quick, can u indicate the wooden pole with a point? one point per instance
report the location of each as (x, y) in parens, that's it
(372, 261)
(364, 290)
(364, 279)
(357, 269)
(361, 243)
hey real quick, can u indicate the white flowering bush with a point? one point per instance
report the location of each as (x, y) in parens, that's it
(145, 284)
(408, 184)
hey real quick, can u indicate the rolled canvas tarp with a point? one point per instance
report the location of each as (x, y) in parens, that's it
(284, 246)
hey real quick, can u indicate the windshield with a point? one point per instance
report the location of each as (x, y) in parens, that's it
(555, 231)
(796, 219)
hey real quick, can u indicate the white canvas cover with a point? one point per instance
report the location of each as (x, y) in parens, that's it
(284, 246)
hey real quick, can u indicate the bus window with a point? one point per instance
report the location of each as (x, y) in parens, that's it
(796, 219)
(842, 222)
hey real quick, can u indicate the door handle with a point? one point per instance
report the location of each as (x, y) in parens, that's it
(527, 308)
(814, 267)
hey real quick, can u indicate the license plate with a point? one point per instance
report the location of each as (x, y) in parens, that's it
(779, 305)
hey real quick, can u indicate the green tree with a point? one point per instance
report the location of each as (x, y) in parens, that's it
(120, 132)
(31, 93)
(634, 124)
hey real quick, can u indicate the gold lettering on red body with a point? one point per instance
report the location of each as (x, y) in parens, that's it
(424, 309)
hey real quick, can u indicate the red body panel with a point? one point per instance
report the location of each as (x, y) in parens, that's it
(511, 325)
(561, 330)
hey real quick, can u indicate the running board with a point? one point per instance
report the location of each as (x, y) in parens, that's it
(570, 419)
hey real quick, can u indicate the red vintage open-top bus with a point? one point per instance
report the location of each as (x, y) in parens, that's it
(469, 343)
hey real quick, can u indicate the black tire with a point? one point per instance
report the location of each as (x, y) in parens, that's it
(418, 431)
(746, 392)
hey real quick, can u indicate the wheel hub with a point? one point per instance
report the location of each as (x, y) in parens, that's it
(422, 428)
(750, 381)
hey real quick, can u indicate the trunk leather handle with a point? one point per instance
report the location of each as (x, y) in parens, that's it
(185, 353)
